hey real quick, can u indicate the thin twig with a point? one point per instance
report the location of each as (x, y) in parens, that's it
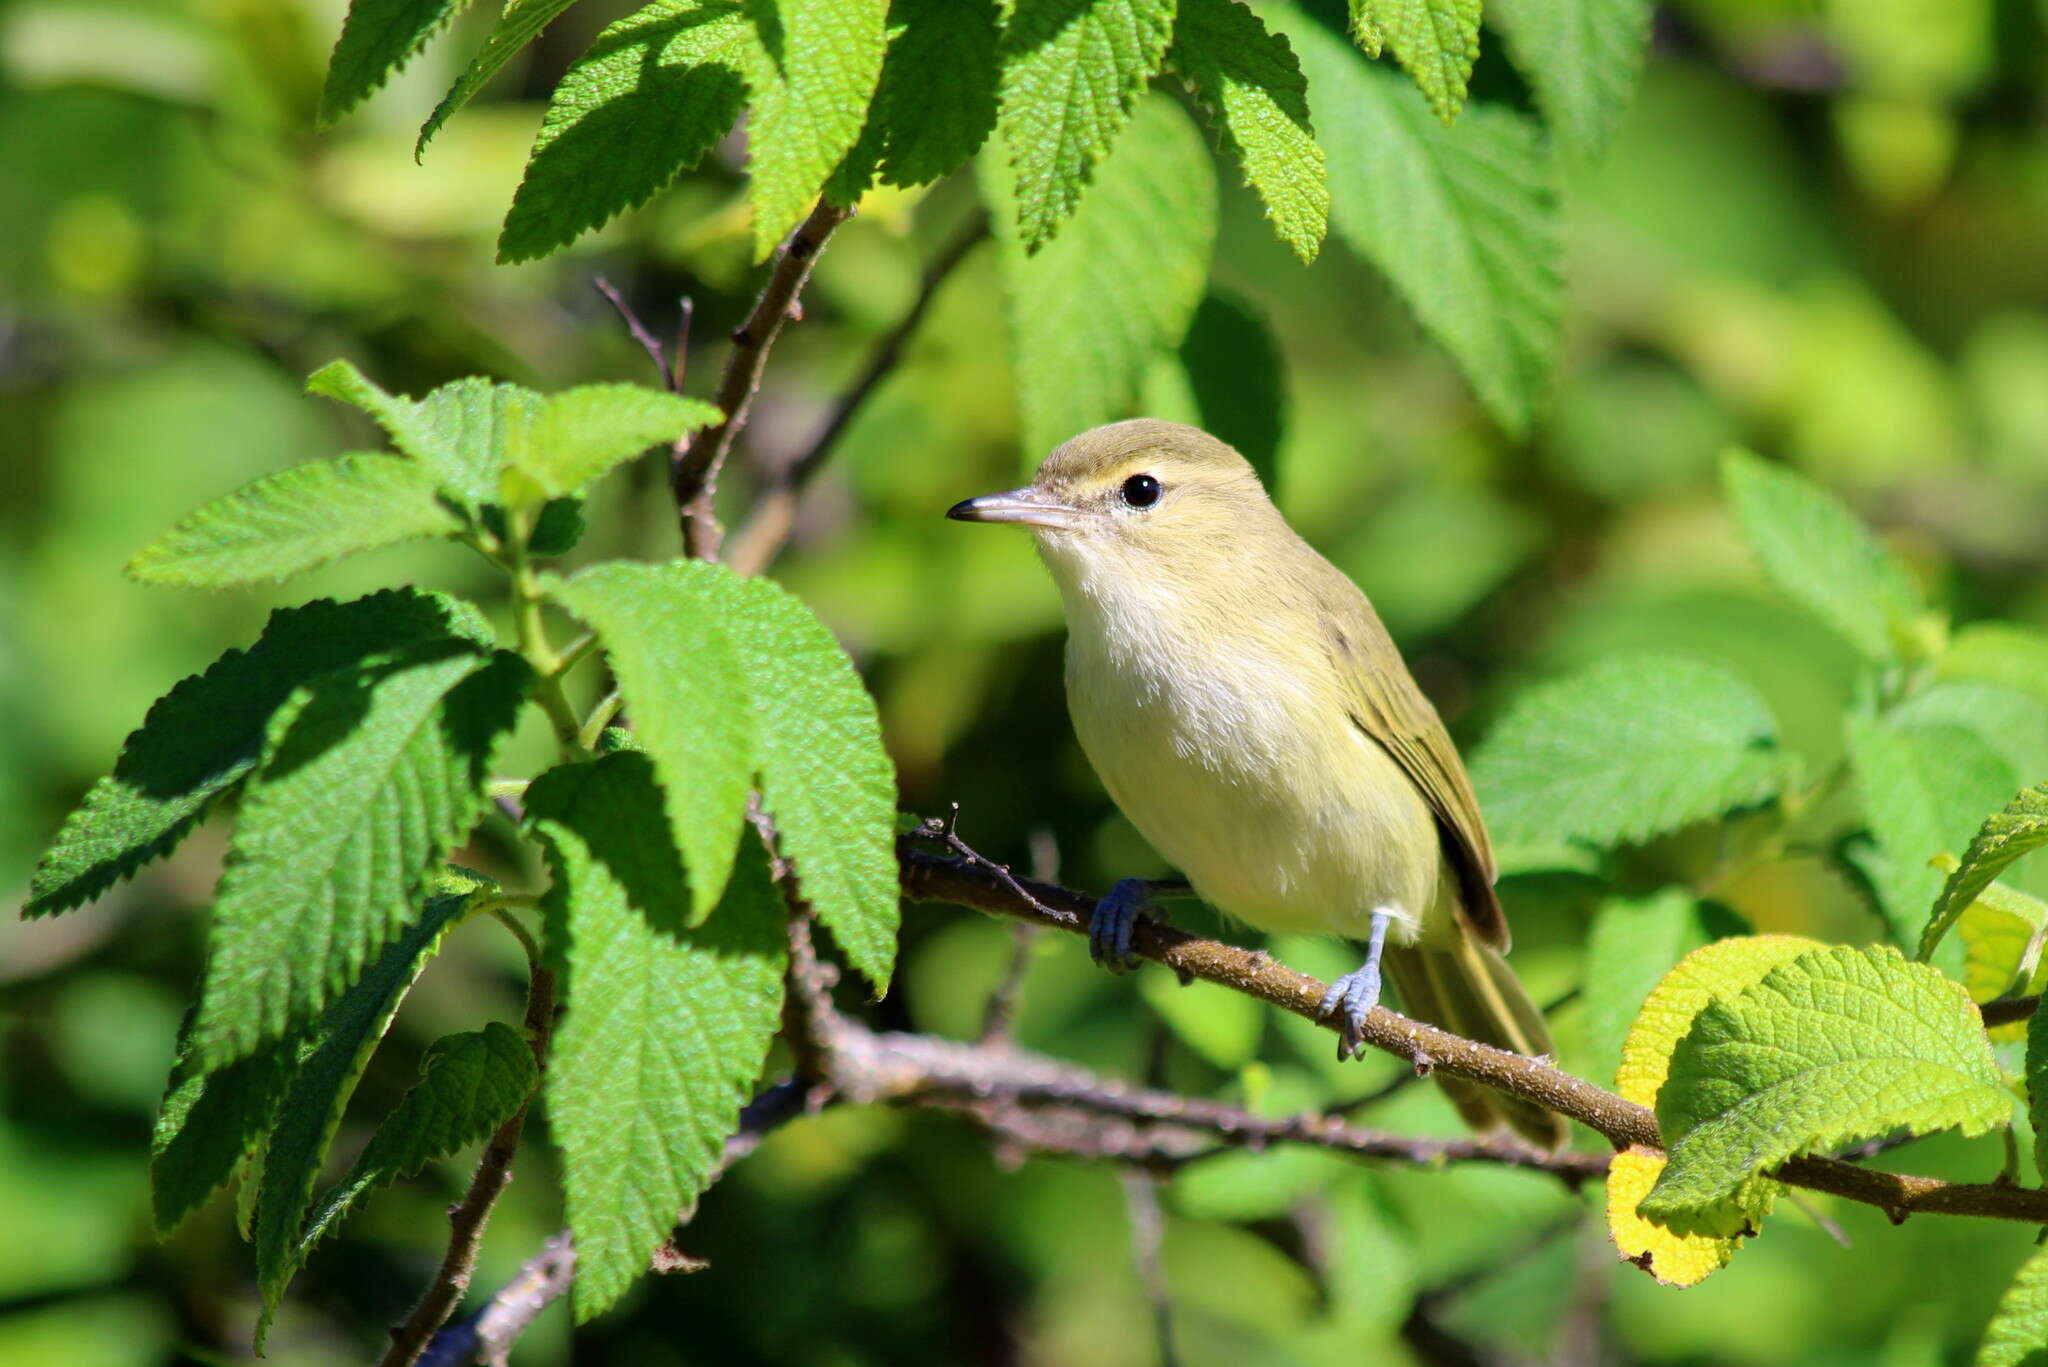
(467, 1221)
(773, 517)
(999, 1017)
(1148, 1233)
(695, 464)
(649, 343)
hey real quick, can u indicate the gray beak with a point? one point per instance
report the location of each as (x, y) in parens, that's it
(1031, 506)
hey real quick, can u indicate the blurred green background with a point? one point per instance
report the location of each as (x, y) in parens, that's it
(1823, 231)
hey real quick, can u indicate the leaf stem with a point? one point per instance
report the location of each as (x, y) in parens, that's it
(600, 717)
(578, 651)
(531, 630)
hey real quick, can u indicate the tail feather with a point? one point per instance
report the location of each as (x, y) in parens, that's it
(1468, 989)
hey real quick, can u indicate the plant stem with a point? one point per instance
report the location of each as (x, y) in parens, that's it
(531, 630)
(600, 717)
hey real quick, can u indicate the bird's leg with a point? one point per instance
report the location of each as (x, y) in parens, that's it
(1109, 928)
(1357, 993)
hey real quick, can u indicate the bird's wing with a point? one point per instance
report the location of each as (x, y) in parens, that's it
(1388, 707)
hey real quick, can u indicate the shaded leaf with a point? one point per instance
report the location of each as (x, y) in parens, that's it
(209, 1122)
(662, 1038)
(203, 737)
(519, 24)
(1632, 943)
(1582, 58)
(1833, 1047)
(369, 779)
(1234, 374)
(292, 521)
(812, 71)
(1072, 74)
(1253, 91)
(1221, 1026)
(936, 100)
(1436, 42)
(377, 39)
(2007, 835)
(2018, 1333)
(1698, 741)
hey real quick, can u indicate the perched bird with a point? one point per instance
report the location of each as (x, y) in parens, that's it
(1248, 712)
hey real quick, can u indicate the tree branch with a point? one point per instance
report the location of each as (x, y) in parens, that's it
(976, 883)
(695, 464)
(773, 517)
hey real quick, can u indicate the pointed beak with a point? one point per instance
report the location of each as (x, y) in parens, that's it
(1031, 506)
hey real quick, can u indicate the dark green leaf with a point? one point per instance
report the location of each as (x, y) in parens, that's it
(1234, 372)
(1582, 58)
(519, 24)
(1252, 87)
(205, 735)
(295, 520)
(371, 777)
(1072, 74)
(634, 844)
(662, 1039)
(209, 1122)
(936, 101)
(377, 39)
(558, 528)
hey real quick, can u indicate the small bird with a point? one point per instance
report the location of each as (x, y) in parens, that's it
(1249, 714)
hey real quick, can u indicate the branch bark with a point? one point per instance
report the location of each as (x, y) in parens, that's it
(695, 464)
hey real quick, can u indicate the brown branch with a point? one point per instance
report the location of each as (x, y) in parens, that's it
(945, 878)
(695, 464)
(773, 517)
(493, 1175)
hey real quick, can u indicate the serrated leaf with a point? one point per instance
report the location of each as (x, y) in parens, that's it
(812, 75)
(295, 520)
(2003, 931)
(1221, 1026)
(665, 632)
(1234, 371)
(825, 778)
(1463, 221)
(1253, 91)
(1090, 312)
(1833, 1047)
(1073, 71)
(203, 737)
(662, 1039)
(519, 24)
(329, 1065)
(1714, 972)
(1582, 58)
(1630, 946)
(377, 39)
(1923, 790)
(2019, 1330)
(1436, 42)
(2019, 829)
(634, 844)
(936, 100)
(649, 98)
(1698, 741)
(470, 1084)
(369, 779)
(579, 434)
(459, 431)
(209, 1123)
(1820, 555)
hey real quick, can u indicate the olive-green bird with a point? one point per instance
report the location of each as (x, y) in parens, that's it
(1246, 709)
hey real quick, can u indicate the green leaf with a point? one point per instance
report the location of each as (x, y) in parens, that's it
(377, 39)
(519, 24)
(1833, 1047)
(1632, 943)
(665, 632)
(204, 736)
(1582, 58)
(1072, 74)
(330, 1064)
(662, 1039)
(1436, 42)
(1820, 555)
(470, 1084)
(290, 522)
(1924, 789)
(825, 778)
(2018, 1331)
(370, 778)
(1220, 1025)
(1235, 374)
(650, 98)
(1090, 312)
(1698, 741)
(1253, 91)
(579, 434)
(936, 100)
(459, 431)
(209, 1122)
(1464, 222)
(2002, 653)
(2019, 829)
(812, 74)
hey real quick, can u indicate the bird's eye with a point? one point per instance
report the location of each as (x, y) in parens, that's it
(1140, 491)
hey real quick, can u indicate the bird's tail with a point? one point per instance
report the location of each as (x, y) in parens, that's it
(1467, 988)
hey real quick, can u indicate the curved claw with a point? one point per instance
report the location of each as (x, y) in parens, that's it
(1356, 993)
(1110, 926)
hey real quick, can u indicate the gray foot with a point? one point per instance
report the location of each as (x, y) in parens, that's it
(1109, 929)
(1353, 996)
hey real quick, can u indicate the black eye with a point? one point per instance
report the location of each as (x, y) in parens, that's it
(1141, 491)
